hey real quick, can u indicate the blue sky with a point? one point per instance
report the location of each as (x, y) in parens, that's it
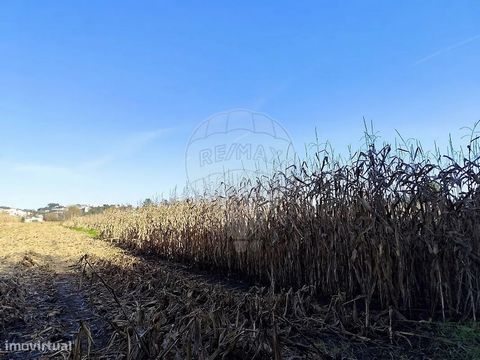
(98, 99)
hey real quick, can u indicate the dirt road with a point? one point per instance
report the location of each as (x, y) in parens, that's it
(40, 299)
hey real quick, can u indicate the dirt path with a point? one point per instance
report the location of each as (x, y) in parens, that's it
(40, 300)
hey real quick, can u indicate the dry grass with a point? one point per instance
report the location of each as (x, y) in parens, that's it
(39, 297)
(46, 244)
(6, 218)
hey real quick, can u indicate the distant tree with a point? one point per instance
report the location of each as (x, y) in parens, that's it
(147, 202)
(72, 211)
(54, 216)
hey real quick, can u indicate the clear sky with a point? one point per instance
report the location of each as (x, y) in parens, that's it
(98, 99)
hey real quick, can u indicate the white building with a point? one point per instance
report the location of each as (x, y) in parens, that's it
(38, 218)
(84, 208)
(15, 212)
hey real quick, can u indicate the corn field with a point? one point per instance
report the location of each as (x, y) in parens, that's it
(388, 229)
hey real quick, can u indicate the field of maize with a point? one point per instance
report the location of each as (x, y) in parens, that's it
(389, 229)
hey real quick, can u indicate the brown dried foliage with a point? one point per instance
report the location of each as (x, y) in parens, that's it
(394, 233)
